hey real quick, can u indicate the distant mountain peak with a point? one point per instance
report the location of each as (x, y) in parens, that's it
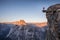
(19, 22)
(22, 22)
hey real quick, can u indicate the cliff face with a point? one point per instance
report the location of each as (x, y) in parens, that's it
(53, 17)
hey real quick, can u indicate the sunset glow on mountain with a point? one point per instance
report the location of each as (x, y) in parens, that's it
(42, 24)
(22, 22)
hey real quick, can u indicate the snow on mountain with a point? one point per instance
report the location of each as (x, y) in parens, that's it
(21, 32)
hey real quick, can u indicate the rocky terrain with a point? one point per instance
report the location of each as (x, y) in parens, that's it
(22, 32)
(53, 19)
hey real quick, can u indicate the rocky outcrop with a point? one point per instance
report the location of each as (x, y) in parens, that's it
(53, 18)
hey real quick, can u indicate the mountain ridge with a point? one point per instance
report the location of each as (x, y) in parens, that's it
(22, 22)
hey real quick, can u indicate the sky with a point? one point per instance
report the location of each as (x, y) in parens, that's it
(28, 10)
